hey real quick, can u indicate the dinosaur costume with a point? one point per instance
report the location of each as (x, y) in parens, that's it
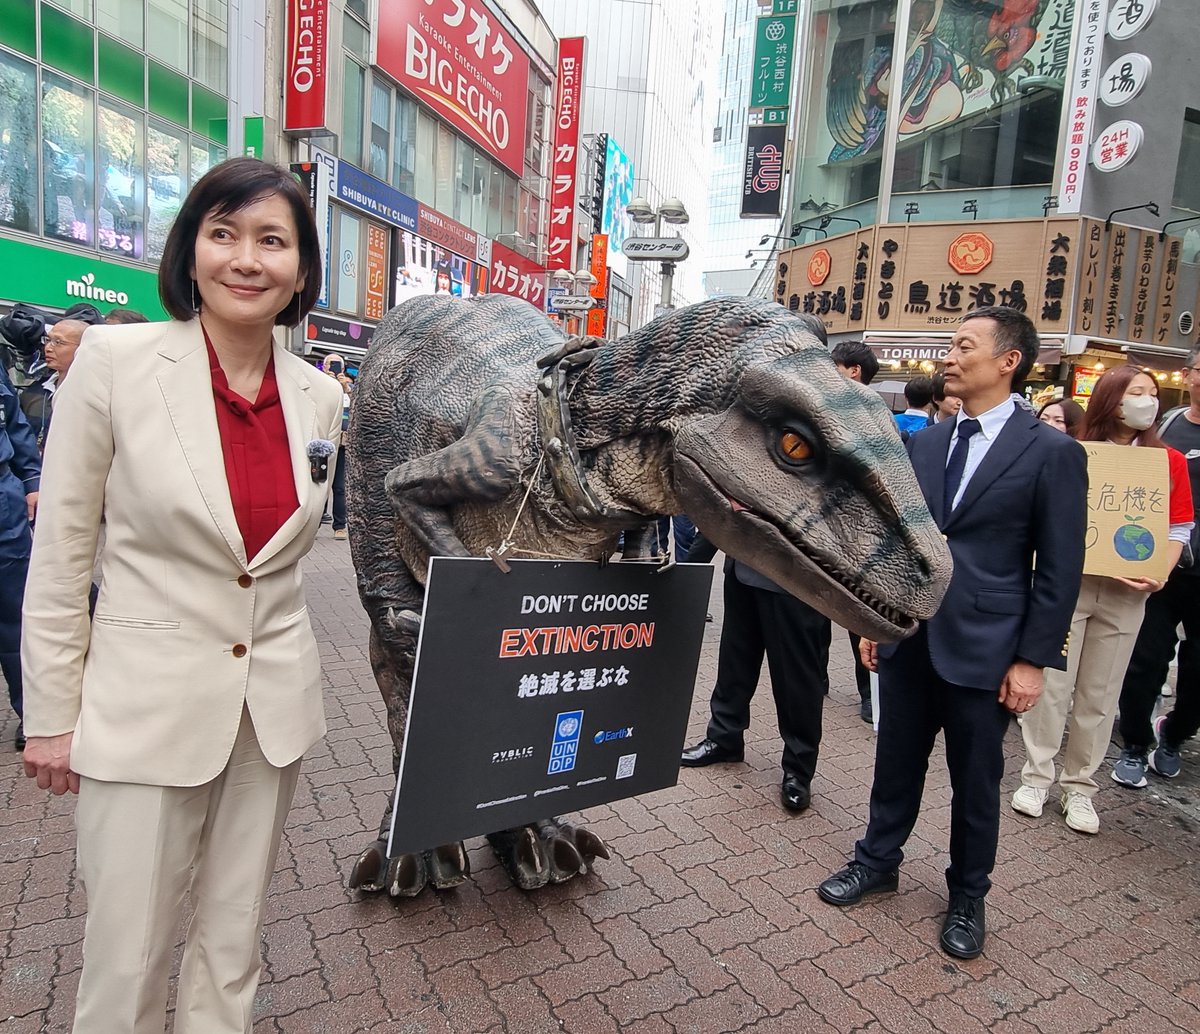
(474, 419)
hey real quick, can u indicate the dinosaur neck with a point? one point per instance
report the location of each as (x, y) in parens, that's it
(645, 382)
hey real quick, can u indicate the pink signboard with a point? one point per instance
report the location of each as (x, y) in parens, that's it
(516, 275)
(560, 246)
(455, 57)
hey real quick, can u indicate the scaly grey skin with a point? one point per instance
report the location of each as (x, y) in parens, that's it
(686, 415)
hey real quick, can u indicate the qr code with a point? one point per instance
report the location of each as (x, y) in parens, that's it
(625, 765)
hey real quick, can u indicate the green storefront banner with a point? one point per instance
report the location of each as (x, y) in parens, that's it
(60, 279)
(771, 76)
(253, 133)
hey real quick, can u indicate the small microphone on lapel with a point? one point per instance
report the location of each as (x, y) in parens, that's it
(319, 451)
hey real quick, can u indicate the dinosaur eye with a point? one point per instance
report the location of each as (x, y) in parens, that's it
(794, 447)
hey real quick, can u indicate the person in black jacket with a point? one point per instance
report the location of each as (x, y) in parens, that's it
(1010, 495)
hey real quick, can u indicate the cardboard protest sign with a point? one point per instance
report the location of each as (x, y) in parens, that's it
(1128, 491)
(551, 688)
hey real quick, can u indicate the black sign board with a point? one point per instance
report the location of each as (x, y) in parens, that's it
(762, 181)
(554, 687)
(338, 334)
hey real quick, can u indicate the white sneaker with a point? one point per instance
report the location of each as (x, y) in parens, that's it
(1028, 800)
(1080, 814)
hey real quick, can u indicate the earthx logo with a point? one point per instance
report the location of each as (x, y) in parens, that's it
(86, 287)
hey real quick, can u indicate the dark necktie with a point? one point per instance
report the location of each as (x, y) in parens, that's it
(958, 461)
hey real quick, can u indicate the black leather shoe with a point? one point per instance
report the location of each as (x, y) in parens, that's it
(963, 931)
(794, 793)
(850, 885)
(20, 740)
(864, 710)
(709, 752)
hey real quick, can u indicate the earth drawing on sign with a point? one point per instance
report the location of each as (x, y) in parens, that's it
(1133, 542)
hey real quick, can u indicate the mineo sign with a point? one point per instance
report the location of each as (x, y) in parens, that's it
(60, 279)
(86, 287)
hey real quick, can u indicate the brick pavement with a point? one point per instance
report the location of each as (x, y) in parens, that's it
(705, 920)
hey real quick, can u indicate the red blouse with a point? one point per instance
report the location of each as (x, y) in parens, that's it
(258, 462)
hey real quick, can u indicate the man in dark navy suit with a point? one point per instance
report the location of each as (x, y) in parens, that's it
(1008, 493)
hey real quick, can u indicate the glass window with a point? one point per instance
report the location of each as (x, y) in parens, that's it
(122, 19)
(444, 170)
(495, 214)
(381, 122)
(404, 146)
(82, 8)
(18, 144)
(356, 38)
(68, 152)
(167, 30)
(1187, 182)
(353, 87)
(166, 156)
(122, 182)
(346, 273)
(210, 44)
(508, 222)
(464, 164)
(426, 148)
(358, 7)
(479, 193)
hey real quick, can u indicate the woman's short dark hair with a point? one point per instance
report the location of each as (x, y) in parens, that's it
(226, 188)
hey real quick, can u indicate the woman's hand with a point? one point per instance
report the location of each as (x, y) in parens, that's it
(48, 760)
(1141, 584)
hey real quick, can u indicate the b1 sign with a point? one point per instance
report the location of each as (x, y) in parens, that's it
(307, 52)
(455, 56)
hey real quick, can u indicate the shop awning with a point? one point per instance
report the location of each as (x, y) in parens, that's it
(933, 347)
(1157, 358)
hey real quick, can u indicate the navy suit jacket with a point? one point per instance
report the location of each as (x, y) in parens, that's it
(1027, 500)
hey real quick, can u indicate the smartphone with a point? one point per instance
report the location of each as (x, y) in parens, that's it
(334, 366)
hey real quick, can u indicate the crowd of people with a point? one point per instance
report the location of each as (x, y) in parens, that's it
(207, 499)
(1060, 650)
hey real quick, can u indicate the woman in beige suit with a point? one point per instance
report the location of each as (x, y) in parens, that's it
(180, 713)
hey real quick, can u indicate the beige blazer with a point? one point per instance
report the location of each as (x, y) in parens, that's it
(187, 626)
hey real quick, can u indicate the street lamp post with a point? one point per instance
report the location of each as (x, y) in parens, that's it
(576, 304)
(669, 250)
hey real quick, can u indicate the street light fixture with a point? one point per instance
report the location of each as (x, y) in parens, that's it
(671, 211)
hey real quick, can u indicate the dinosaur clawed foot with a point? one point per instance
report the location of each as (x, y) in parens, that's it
(406, 875)
(549, 851)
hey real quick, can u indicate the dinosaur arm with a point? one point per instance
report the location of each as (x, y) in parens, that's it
(482, 466)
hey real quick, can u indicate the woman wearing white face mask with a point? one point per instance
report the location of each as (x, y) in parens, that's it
(1122, 410)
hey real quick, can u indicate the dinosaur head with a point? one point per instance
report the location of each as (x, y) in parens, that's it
(804, 478)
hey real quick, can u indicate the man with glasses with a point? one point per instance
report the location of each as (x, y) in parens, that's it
(1155, 746)
(59, 345)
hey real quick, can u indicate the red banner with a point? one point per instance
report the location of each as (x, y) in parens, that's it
(560, 250)
(307, 53)
(516, 275)
(376, 271)
(597, 319)
(455, 56)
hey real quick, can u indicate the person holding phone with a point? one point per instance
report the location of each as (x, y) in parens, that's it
(335, 366)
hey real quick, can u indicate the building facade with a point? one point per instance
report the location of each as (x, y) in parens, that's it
(109, 111)
(1037, 154)
(645, 95)
(422, 134)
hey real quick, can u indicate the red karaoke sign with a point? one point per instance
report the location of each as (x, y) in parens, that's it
(307, 52)
(560, 247)
(516, 275)
(455, 56)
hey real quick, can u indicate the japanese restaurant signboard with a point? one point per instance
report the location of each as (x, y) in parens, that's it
(927, 276)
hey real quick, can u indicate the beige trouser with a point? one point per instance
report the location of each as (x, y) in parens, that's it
(140, 850)
(1103, 630)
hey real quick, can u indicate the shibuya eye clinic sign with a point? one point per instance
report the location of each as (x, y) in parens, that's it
(457, 57)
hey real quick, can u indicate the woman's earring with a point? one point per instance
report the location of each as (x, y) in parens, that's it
(195, 307)
(299, 314)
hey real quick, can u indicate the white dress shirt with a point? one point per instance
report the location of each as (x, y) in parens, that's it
(991, 424)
